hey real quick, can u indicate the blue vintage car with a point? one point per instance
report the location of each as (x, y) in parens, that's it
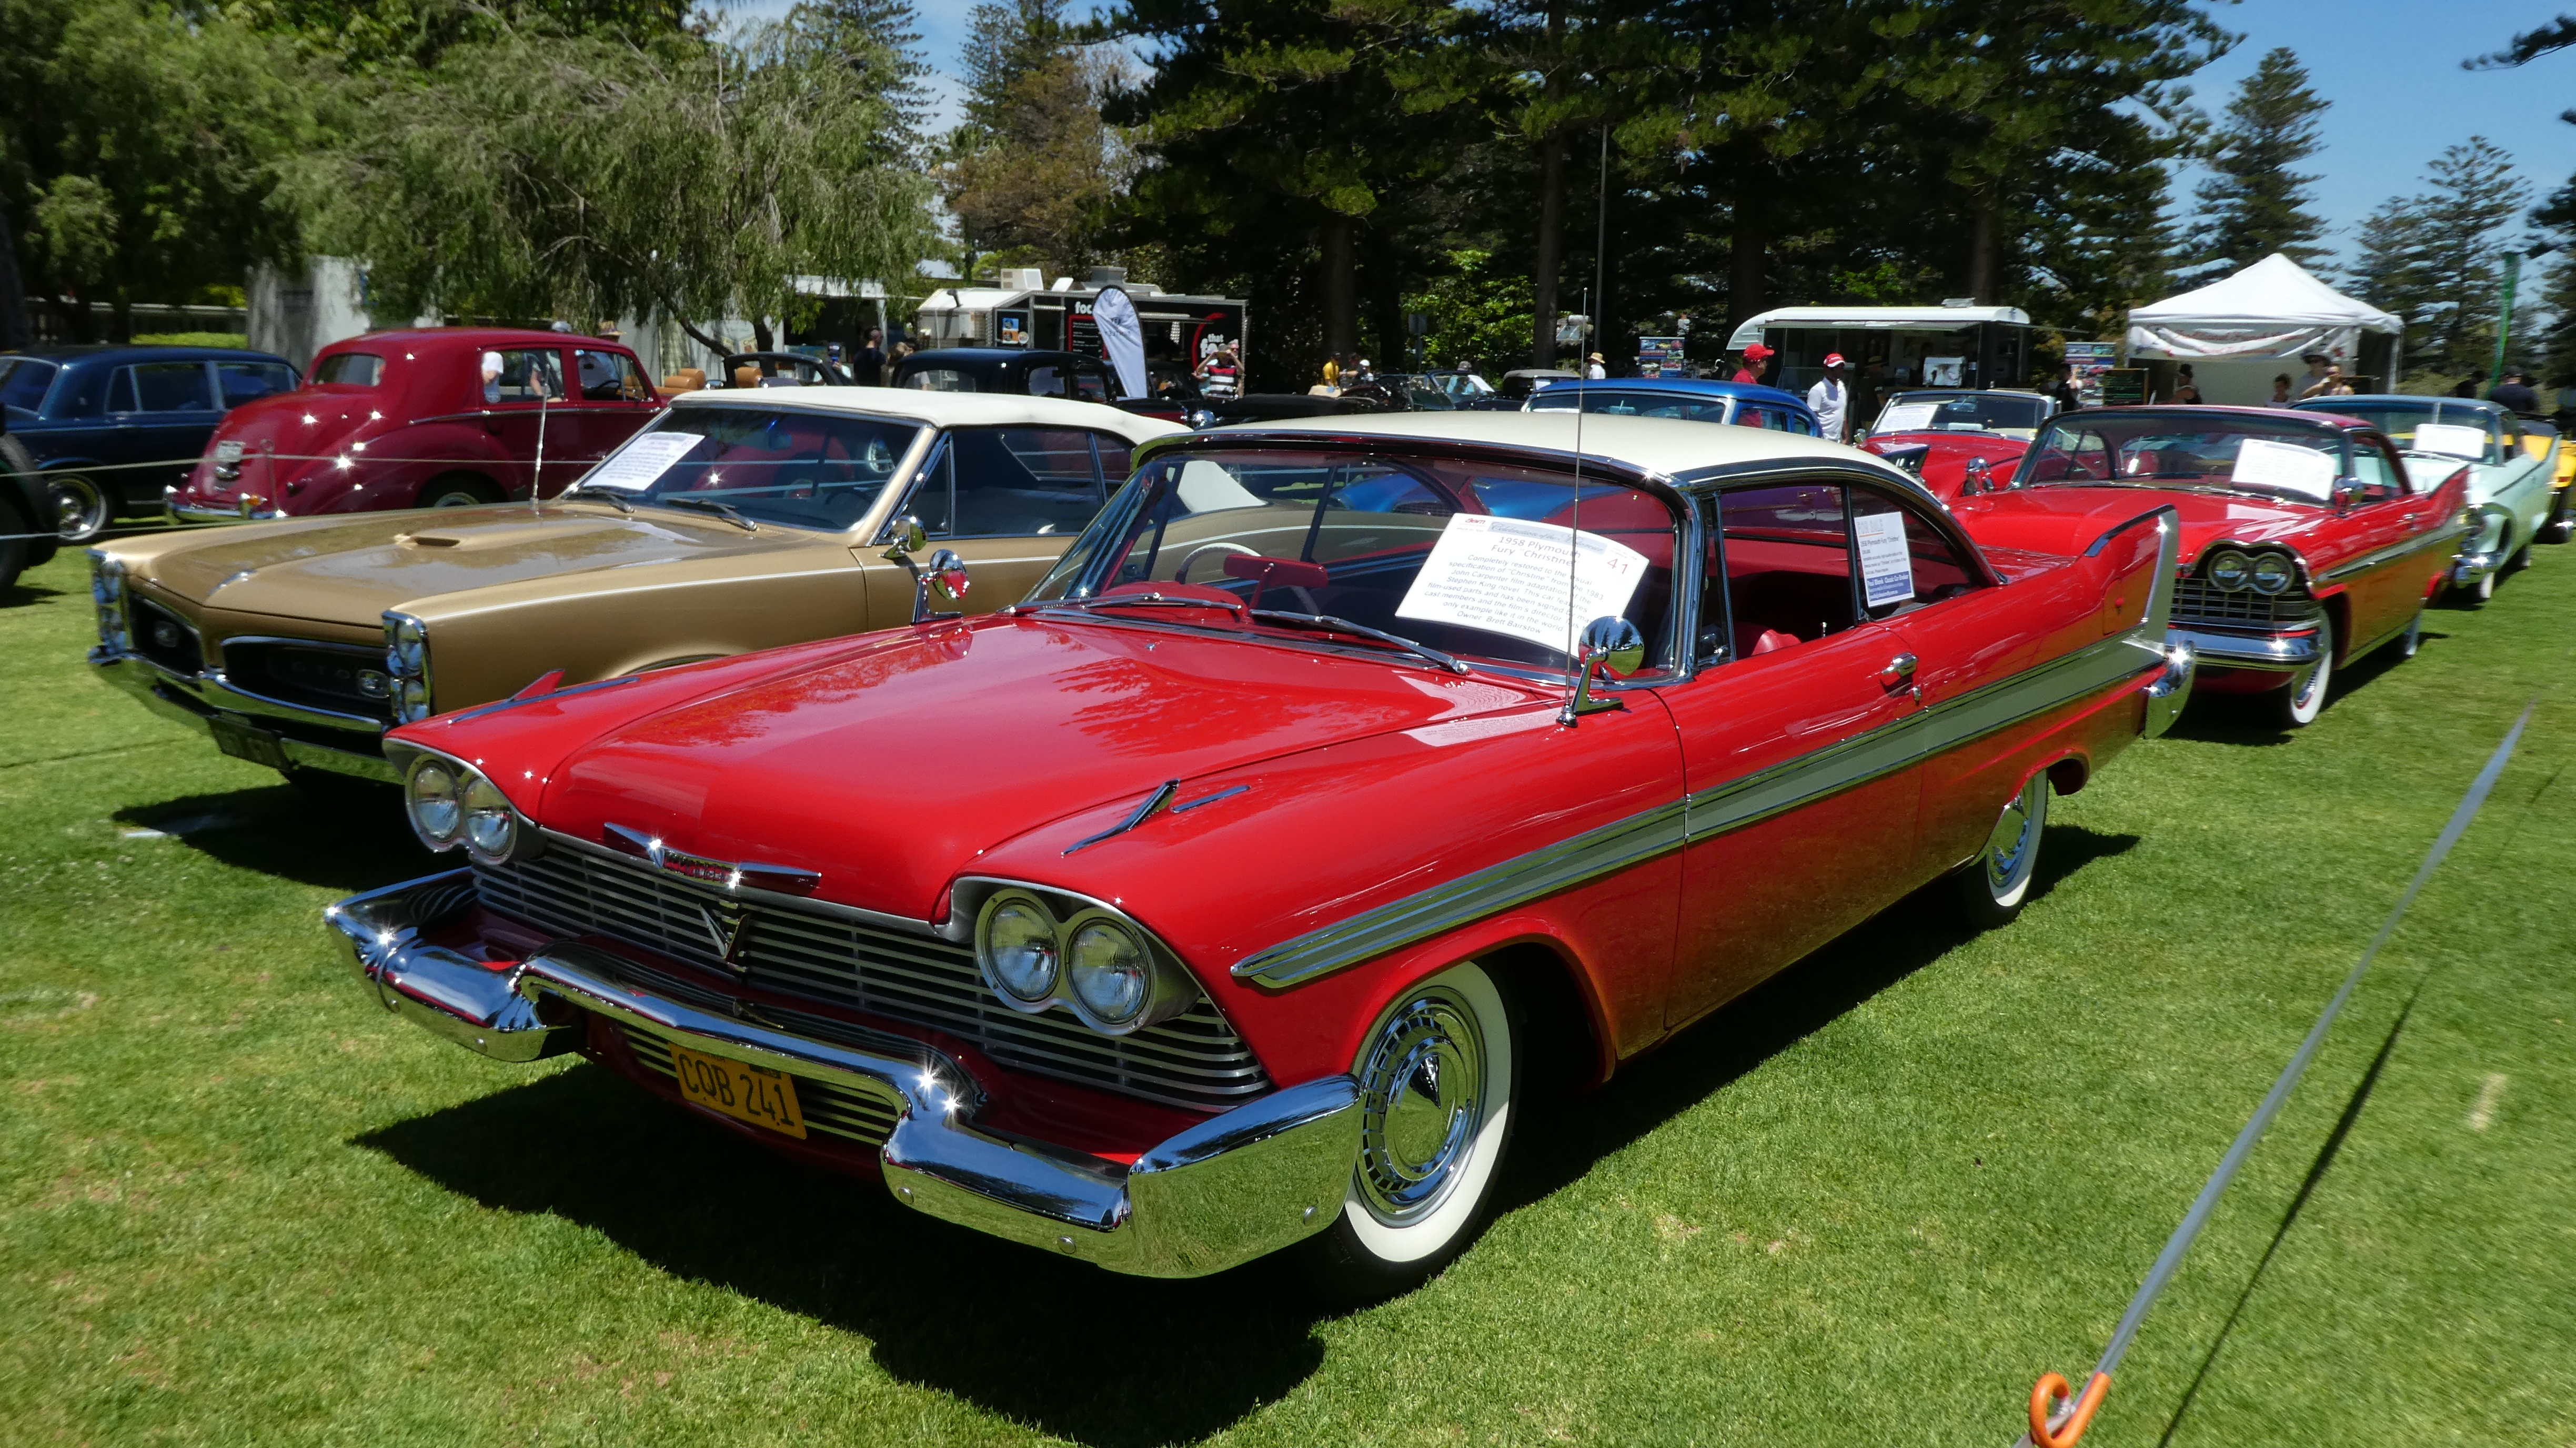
(1692, 399)
(89, 415)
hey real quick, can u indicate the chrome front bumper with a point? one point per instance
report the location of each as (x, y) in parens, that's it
(2276, 653)
(1235, 1187)
(193, 699)
(198, 514)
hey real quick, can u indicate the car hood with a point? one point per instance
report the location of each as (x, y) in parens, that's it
(2059, 519)
(889, 765)
(351, 568)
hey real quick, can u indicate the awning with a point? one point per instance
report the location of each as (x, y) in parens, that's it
(2272, 310)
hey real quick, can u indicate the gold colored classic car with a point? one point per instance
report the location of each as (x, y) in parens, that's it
(737, 520)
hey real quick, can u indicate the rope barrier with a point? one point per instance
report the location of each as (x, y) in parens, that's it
(2053, 1426)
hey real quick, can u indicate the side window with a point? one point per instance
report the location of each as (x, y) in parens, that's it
(1091, 384)
(171, 387)
(120, 392)
(610, 377)
(239, 382)
(933, 499)
(1114, 466)
(2382, 476)
(522, 375)
(1782, 571)
(1905, 562)
(1020, 480)
(1046, 381)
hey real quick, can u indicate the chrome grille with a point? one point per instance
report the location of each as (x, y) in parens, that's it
(337, 677)
(2198, 601)
(827, 1106)
(1194, 1060)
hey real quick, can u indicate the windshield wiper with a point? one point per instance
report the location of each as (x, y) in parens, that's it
(1127, 600)
(607, 495)
(727, 511)
(1343, 625)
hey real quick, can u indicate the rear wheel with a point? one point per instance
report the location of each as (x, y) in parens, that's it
(2475, 595)
(1991, 890)
(458, 490)
(1438, 1074)
(82, 507)
(2520, 560)
(2306, 696)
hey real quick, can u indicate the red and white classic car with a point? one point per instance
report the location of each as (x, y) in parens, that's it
(1340, 779)
(2307, 542)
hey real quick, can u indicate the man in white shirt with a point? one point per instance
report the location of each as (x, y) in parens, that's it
(1830, 399)
(1593, 370)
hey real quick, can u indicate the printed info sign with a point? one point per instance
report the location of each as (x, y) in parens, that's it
(1886, 563)
(641, 463)
(1510, 576)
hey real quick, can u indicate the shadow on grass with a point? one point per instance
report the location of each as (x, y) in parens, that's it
(344, 841)
(22, 593)
(1101, 1359)
(1073, 1350)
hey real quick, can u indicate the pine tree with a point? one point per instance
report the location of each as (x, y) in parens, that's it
(2436, 259)
(2256, 205)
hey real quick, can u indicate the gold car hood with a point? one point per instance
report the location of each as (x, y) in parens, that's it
(350, 570)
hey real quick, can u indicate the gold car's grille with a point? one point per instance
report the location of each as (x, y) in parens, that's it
(865, 1117)
(2197, 601)
(1195, 1059)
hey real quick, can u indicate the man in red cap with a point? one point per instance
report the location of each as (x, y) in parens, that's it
(1830, 399)
(1754, 358)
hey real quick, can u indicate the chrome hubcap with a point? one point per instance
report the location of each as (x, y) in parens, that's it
(1422, 1102)
(2008, 851)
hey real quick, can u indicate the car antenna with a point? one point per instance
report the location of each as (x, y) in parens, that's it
(537, 488)
(1574, 571)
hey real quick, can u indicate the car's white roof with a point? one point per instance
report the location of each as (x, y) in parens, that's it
(1653, 444)
(1902, 318)
(939, 409)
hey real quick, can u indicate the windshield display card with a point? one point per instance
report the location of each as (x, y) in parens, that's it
(1908, 417)
(1511, 576)
(2451, 440)
(642, 462)
(1886, 564)
(2263, 463)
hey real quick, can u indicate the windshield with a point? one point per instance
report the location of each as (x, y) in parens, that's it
(2453, 429)
(1997, 412)
(802, 469)
(1689, 407)
(2163, 448)
(23, 381)
(1471, 559)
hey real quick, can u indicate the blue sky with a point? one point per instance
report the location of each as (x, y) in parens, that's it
(2391, 68)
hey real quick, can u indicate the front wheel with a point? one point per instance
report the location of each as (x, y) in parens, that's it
(82, 508)
(1438, 1074)
(2475, 595)
(459, 491)
(2306, 696)
(1991, 890)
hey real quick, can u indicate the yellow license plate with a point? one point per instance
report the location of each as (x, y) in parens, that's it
(746, 1093)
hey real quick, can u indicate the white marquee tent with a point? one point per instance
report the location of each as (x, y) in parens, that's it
(2240, 331)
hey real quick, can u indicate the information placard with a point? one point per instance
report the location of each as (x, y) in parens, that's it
(1886, 564)
(2451, 440)
(2286, 465)
(1907, 417)
(1512, 576)
(643, 461)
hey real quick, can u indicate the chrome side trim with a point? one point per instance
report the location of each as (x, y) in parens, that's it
(1237, 1186)
(2368, 561)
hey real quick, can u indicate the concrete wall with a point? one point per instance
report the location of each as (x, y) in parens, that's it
(296, 315)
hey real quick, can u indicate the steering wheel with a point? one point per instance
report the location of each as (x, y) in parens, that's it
(1183, 574)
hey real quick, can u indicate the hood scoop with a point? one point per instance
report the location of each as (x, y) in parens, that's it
(511, 534)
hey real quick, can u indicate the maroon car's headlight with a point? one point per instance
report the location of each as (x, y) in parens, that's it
(1041, 948)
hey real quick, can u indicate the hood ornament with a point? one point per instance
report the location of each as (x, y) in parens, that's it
(729, 875)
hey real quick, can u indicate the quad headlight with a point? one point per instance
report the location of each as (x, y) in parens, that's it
(407, 659)
(450, 804)
(2231, 570)
(1040, 949)
(2274, 573)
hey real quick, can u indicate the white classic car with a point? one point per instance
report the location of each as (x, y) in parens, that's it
(2512, 463)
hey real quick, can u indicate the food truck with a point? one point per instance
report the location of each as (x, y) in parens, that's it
(1951, 345)
(1021, 310)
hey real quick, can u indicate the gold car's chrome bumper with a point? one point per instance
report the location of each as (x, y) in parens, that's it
(197, 699)
(1236, 1186)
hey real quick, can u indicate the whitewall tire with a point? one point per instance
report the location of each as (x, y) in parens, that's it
(2305, 699)
(1994, 885)
(1438, 1073)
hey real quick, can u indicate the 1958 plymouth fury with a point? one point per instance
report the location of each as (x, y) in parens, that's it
(1287, 832)
(2512, 465)
(2308, 540)
(741, 519)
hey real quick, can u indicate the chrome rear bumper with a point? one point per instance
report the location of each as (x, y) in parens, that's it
(2468, 568)
(2276, 653)
(198, 514)
(193, 699)
(1237, 1186)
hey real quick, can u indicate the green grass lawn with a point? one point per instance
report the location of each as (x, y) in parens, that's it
(1868, 1204)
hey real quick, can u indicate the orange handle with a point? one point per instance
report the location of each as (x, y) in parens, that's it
(2044, 1396)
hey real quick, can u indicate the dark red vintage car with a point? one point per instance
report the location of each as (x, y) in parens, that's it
(1957, 439)
(2306, 542)
(439, 418)
(1288, 833)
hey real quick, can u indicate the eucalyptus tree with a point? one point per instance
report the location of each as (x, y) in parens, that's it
(534, 174)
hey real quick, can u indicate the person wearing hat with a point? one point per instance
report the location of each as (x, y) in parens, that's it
(1593, 369)
(1830, 399)
(2320, 375)
(1756, 357)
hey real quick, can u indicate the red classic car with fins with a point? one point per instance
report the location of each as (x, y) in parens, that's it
(1343, 784)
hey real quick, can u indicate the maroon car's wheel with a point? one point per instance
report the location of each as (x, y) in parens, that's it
(458, 490)
(1994, 885)
(1438, 1074)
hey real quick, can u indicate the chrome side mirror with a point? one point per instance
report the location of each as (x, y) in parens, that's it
(1980, 477)
(2346, 493)
(904, 538)
(947, 574)
(1608, 643)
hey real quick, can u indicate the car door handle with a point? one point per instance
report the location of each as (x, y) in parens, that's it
(1898, 670)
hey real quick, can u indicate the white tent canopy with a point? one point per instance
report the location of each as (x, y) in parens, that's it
(2272, 310)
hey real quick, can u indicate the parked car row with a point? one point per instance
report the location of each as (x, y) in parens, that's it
(1137, 964)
